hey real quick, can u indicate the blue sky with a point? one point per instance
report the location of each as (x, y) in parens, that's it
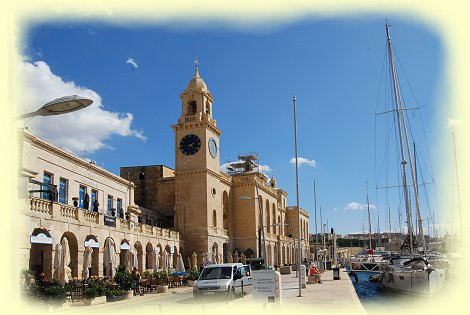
(136, 73)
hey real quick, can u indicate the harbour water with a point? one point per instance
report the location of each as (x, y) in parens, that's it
(375, 298)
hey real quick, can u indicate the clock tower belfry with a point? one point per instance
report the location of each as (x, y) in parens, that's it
(197, 165)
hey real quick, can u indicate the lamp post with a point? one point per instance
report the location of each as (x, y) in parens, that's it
(61, 105)
(297, 193)
(261, 226)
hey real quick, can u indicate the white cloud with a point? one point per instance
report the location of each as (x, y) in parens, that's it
(303, 161)
(358, 206)
(132, 62)
(86, 129)
(264, 169)
(451, 122)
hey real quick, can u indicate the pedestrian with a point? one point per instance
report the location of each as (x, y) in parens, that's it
(306, 264)
(201, 267)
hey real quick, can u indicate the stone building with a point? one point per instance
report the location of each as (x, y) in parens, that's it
(215, 212)
(194, 208)
(57, 193)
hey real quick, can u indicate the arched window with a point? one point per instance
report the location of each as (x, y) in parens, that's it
(214, 218)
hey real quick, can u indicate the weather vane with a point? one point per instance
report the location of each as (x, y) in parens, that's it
(196, 61)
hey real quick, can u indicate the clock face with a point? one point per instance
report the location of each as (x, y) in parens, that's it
(212, 147)
(190, 144)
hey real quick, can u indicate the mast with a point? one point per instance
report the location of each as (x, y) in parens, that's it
(458, 187)
(368, 215)
(404, 141)
(316, 230)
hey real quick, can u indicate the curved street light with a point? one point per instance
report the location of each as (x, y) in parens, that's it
(61, 105)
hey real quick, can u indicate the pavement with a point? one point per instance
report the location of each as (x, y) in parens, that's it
(331, 296)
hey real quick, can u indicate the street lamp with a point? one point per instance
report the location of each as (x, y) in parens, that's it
(61, 105)
(261, 226)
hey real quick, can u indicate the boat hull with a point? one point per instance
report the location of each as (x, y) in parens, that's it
(415, 282)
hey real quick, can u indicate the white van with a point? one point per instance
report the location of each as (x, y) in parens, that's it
(224, 280)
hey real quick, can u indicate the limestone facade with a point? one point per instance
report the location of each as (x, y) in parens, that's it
(47, 221)
(214, 212)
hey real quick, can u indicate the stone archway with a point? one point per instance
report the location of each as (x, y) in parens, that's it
(40, 253)
(149, 263)
(73, 247)
(138, 248)
(123, 248)
(95, 255)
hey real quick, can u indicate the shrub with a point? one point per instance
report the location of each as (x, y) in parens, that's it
(124, 279)
(193, 275)
(162, 277)
(95, 289)
(146, 274)
(115, 292)
(54, 292)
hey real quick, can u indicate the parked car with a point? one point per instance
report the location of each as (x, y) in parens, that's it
(224, 280)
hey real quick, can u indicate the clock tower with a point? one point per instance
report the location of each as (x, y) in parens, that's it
(198, 202)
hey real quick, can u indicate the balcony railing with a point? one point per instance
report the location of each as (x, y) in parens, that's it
(66, 213)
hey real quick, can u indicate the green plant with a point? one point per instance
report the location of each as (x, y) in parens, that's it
(162, 277)
(95, 289)
(146, 274)
(54, 292)
(193, 275)
(115, 292)
(124, 279)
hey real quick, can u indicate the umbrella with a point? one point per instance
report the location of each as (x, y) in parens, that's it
(194, 266)
(157, 260)
(180, 264)
(110, 258)
(86, 262)
(170, 261)
(129, 260)
(64, 269)
(214, 258)
(164, 260)
(134, 258)
(57, 259)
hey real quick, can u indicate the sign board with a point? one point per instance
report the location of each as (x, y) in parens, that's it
(264, 285)
(92, 243)
(125, 246)
(41, 238)
(109, 221)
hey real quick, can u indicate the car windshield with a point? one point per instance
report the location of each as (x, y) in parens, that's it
(216, 273)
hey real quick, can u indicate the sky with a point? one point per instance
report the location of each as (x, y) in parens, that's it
(334, 67)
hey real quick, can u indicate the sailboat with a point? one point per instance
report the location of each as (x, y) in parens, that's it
(369, 262)
(410, 272)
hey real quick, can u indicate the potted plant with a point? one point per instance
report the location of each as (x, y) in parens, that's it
(162, 281)
(192, 277)
(94, 294)
(125, 281)
(113, 295)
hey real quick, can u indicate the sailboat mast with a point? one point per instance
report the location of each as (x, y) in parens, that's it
(398, 109)
(458, 187)
(368, 214)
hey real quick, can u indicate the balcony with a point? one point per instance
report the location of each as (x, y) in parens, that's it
(56, 211)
